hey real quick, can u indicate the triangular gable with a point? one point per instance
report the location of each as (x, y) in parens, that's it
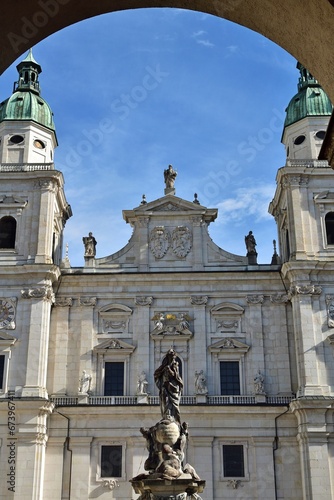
(114, 345)
(228, 344)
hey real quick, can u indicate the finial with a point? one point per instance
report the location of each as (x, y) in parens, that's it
(275, 260)
(143, 201)
(196, 199)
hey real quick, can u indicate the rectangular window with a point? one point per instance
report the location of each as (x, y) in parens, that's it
(114, 378)
(2, 371)
(229, 378)
(111, 461)
(233, 460)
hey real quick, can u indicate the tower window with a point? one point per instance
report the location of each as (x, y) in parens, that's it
(329, 222)
(7, 232)
(39, 144)
(299, 140)
(320, 134)
(16, 139)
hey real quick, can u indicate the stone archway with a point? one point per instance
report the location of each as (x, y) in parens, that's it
(302, 27)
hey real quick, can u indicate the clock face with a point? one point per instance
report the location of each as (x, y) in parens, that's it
(7, 314)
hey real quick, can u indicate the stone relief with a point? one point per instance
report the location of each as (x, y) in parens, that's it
(227, 324)
(200, 383)
(43, 292)
(305, 290)
(255, 299)
(63, 301)
(227, 344)
(109, 324)
(87, 301)
(143, 301)
(84, 383)
(199, 300)
(279, 298)
(159, 241)
(181, 241)
(171, 323)
(111, 484)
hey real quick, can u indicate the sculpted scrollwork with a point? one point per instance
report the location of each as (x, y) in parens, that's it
(143, 301)
(199, 300)
(279, 298)
(42, 292)
(63, 301)
(255, 299)
(87, 301)
(305, 290)
(159, 241)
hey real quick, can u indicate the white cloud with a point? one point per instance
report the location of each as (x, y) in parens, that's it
(206, 43)
(247, 202)
(198, 33)
(232, 48)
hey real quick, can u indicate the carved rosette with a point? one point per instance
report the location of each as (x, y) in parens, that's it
(42, 292)
(87, 301)
(199, 300)
(159, 241)
(143, 301)
(181, 241)
(254, 299)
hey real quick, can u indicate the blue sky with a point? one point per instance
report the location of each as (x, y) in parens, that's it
(134, 91)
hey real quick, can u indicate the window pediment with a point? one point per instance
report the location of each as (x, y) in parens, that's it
(114, 346)
(115, 318)
(228, 345)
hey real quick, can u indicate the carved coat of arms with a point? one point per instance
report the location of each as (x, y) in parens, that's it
(181, 241)
(159, 241)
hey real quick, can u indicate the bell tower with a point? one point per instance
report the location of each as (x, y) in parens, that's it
(304, 232)
(33, 212)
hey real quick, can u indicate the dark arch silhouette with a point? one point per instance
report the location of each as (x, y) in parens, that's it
(7, 232)
(302, 27)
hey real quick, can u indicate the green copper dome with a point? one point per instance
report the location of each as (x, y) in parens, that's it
(311, 99)
(26, 103)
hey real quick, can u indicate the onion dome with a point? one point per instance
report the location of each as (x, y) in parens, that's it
(25, 103)
(311, 99)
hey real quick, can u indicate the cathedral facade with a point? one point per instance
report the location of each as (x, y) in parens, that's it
(79, 346)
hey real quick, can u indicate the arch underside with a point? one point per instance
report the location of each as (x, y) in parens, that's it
(304, 28)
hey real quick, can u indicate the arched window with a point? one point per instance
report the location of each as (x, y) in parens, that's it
(329, 222)
(7, 232)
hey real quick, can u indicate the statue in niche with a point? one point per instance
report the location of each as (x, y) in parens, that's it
(90, 245)
(170, 385)
(170, 176)
(259, 383)
(200, 383)
(250, 243)
(84, 382)
(142, 384)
